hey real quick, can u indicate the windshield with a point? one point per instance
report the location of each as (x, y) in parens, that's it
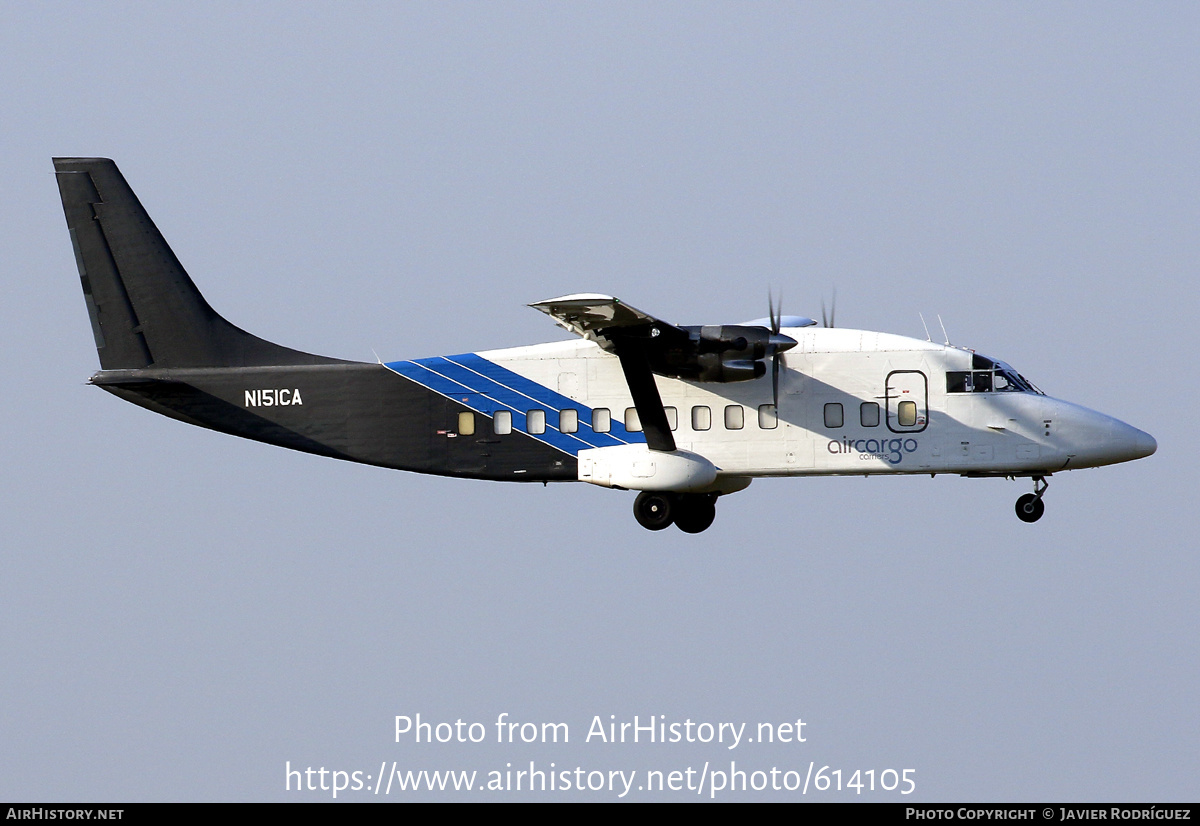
(988, 376)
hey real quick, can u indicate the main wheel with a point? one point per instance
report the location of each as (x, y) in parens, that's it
(694, 514)
(653, 510)
(1030, 508)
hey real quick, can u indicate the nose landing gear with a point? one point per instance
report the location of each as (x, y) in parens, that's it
(1030, 507)
(691, 512)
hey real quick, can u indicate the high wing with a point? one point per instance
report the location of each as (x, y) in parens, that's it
(633, 336)
(647, 345)
(601, 318)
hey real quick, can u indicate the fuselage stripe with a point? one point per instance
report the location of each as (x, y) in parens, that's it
(486, 387)
(484, 396)
(548, 399)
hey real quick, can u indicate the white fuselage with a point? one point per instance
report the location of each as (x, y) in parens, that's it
(850, 402)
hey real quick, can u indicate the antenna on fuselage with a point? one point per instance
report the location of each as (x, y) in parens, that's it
(828, 321)
(944, 333)
(926, 326)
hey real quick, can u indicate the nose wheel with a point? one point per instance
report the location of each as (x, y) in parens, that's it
(690, 512)
(1030, 507)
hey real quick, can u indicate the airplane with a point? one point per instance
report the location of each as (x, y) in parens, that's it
(681, 414)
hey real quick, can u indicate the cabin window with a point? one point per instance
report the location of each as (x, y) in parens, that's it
(735, 417)
(535, 422)
(502, 422)
(868, 414)
(906, 413)
(672, 417)
(767, 418)
(601, 420)
(701, 418)
(568, 420)
(466, 423)
(833, 415)
(632, 423)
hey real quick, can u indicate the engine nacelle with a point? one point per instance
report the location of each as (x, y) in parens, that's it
(720, 367)
(740, 341)
(713, 353)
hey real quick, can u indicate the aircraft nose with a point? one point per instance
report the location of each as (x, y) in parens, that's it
(1144, 444)
(1131, 443)
(1103, 440)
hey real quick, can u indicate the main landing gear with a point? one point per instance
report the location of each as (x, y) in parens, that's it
(691, 512)
(1030, 507)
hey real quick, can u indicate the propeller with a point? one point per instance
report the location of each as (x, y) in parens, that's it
(828, 322)
(777, 344)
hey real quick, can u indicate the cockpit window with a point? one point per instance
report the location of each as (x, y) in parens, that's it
(988, 376)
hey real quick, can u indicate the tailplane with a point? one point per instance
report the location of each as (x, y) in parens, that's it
(145, 310)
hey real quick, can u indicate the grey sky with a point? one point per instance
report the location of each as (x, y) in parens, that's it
(183, 612)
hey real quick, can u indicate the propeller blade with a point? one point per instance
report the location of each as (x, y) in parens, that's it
(775, 380)
(777, 344)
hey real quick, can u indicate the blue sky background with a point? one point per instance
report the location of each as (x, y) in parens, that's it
(183, 612)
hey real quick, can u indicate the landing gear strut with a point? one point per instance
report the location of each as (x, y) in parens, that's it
(691, 512)
(1030, 507)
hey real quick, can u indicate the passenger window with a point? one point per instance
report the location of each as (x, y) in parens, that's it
(735, 417)
(906, 413)
(502, 422)
(535, 422)
(466, 423)
(833, 415)
(601, 420)
(868, 414)
(767, 418)
(701, 418)
(632, 423)
(672, 417)
(568, 420)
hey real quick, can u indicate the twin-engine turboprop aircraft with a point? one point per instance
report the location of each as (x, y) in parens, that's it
(682, 414)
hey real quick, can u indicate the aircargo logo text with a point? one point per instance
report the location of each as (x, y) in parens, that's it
(889, 450)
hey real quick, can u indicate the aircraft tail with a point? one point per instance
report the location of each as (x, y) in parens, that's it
(145, 310)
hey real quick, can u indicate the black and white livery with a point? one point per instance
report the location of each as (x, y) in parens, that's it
(683, 414)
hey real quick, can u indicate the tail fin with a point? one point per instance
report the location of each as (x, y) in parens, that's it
(145, 310)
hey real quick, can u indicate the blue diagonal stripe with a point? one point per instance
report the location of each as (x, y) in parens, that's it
(486, 387)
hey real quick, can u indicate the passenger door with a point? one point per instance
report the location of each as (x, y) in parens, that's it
(907, 401)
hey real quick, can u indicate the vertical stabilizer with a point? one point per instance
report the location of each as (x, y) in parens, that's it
(145, 310)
